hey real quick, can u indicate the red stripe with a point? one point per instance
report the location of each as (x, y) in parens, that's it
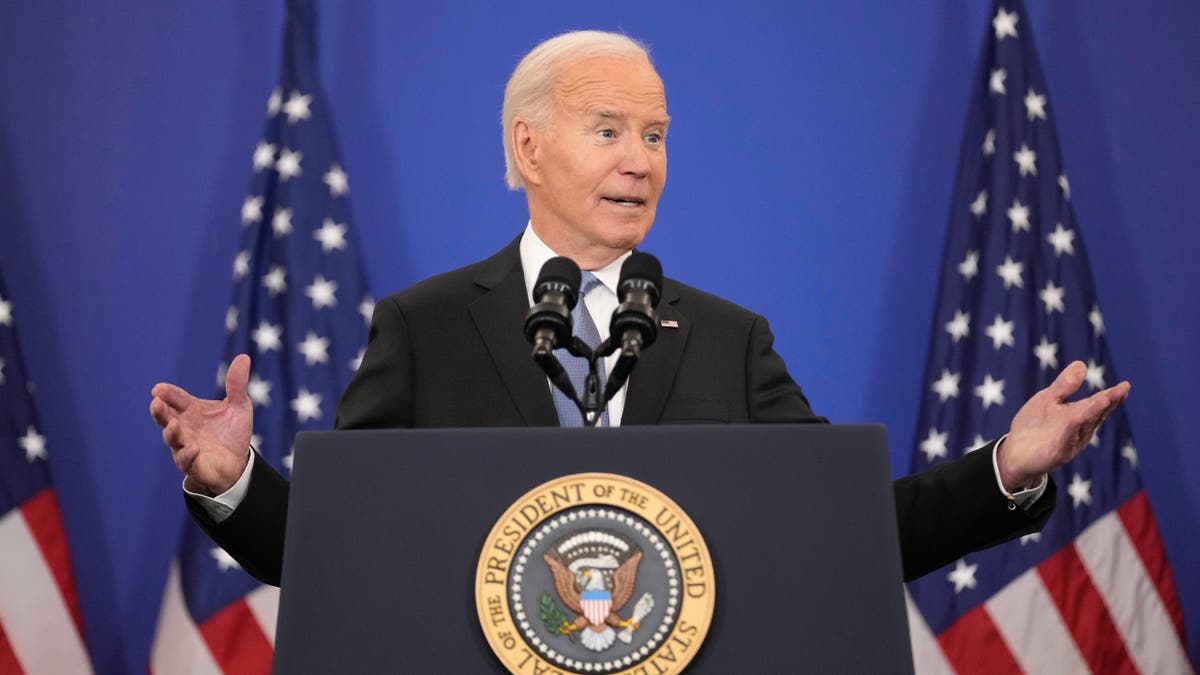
(8, 658)
(236, 640)
(1084, 613)
(973, 645)
(45, 522)
(1139, 524)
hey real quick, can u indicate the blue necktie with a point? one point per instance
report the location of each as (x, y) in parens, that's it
(577, 367)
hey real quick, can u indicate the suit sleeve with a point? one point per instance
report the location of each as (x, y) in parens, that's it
(379, 396)
(773, 397)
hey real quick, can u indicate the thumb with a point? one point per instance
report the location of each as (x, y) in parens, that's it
(1068, 381)
(237, 377)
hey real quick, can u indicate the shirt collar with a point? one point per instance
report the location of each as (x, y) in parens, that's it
(535, 253)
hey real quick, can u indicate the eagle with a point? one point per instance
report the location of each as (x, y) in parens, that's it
(596, 596)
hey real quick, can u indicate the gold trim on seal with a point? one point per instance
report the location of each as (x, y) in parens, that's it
(697, 589)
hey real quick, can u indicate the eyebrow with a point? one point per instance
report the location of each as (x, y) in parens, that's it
(609, 113)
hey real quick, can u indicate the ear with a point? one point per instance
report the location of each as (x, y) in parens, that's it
(527, 142)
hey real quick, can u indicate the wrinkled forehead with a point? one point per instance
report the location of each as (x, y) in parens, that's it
(629, 85)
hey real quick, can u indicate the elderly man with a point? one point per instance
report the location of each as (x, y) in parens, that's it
(585, 126)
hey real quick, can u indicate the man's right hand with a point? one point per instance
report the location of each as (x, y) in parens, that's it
(209, 440)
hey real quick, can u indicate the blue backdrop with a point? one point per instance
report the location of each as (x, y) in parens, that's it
(813, 151)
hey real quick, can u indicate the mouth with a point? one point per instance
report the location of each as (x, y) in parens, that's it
(626, 201)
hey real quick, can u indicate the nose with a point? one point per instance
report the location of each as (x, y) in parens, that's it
(635, 161)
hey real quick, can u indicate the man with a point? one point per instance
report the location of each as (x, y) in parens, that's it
(585, 126)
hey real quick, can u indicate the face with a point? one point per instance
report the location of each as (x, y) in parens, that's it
(600, 164)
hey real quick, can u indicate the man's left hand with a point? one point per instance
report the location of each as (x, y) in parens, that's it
(1048, 432)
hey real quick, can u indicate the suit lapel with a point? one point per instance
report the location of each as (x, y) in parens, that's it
(499, 317)
(652, 378)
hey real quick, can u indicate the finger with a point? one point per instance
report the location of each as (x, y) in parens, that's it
(1100, 404)
(1067, 382)
(176, 397)
(237, 377)
(172, 436)
(161, 412)
(184, 459)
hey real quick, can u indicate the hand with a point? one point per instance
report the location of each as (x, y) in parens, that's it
(1046, 433)
(209, 440)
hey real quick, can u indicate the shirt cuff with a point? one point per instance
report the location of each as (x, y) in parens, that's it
(1022, 498)
(221, 507)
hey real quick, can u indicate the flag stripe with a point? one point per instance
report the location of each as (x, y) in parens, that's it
(1139, 524)
(973, 644)
(1026, 616)
(178, 648)
(928, 658)
(1083, 610)
(8, 658)
(1130, 597)
(45, 523)
(264, 604)
(36, 619)
(237, 641)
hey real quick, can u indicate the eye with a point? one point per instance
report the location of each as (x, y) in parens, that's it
(607, 133)
(653, 138)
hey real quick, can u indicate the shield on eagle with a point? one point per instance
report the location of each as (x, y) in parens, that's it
(596, 605)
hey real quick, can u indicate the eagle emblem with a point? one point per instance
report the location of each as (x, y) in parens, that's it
(595, 574)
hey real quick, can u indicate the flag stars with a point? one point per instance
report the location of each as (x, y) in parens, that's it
(256, 442)
(1046, 353)
(996, 81)
(231, 319)
(1065, 186)
(1005, 24)
(6, 317)
(1032, 537)
(969, 266)
(337, 181)
(1035, 105)
(946, 387)
(322, 292)
(1095, 375)
(281, 222)
(934, 445)
(1062, 240)
(991, 392)
(288, 164)
(1011, 272)
(976, 443)
(367, 308)
(222, 370)
(1097, 320)
(1130, 453)
(356, 362)
(289, 459)
(1080, 491)
(315, 349)
(275, 280)
(266, 337)
(1026, 160)
(296, 107)
(963, 575)
(225, 562)
(252, 209)
(1001, 332)
(274, 102)
(989, 143)
(979, 206)
(1052, 297)
(307, 405)
(33, 443)
(264, 156)
(259, 390)
(1018, 214)
(960, 326)
(331, 235)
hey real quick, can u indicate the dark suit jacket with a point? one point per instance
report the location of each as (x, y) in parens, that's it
(450, 352)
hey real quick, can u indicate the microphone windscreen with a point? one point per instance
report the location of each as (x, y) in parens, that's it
(560, 270)
(645, 267)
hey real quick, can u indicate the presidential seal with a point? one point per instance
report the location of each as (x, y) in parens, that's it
(595, 573)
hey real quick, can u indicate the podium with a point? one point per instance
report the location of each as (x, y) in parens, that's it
(386, 529)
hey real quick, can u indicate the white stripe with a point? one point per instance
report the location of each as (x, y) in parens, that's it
(178, 646)
(34, 614)
(264, 605)
(1029, 622)
(1131, 597)
(928, 658)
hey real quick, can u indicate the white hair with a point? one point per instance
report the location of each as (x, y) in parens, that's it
(530, 90)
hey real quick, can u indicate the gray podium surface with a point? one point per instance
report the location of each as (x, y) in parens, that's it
(385, 529)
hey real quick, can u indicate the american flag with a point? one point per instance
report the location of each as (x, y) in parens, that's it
(41, 630)
(300, 310)
(1092, 591)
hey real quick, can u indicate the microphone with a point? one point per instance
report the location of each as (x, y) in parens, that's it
(634, 323)
(548, 322)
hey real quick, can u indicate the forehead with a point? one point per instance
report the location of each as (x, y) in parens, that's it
(626, 84)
